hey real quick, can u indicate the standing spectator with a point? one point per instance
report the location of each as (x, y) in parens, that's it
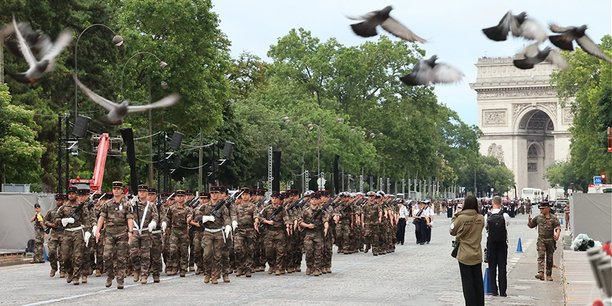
(39, 235)
(401, 224)
(467, 226)
(496, 223)
(566, 210)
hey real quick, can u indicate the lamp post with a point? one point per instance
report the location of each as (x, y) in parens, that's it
(117, 41)
(164, 85)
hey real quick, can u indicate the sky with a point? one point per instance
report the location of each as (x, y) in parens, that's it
(452, 29)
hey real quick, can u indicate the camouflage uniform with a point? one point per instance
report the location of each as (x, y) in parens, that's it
(213, 240)
(275, 238)
(198, 251)
(244, 236)
(54, 243)
(89, 259)
(343, 228)
(73, 243)
(116, 247)
(371, 215)
(546, 243)
(99, 246)
(156, 249)
(39, 239)
(176, 218)
(313, 241)
(142, 240)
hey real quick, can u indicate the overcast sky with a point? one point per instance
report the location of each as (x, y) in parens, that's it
(452, 28)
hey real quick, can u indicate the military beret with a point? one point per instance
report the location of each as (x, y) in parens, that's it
(60, 196)
(218, 189)
(117, 184)
(143, 187)
(180, 192)
(246, 189)
(72, 189)
(83, 191)
(152, 190)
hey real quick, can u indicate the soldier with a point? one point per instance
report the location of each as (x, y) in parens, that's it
(277, 227)
(177, 217)
(39, 235)
(216, 223)
(297, 236)
(549, 230)
(99, 244)
(55, 235)
(156, 238)
(140, 249)
(74, 219)
(259, 256)
(372, 217)
(88, 254)
(197, 229)
(244, 227)
(314, 222)
(117, 219)
(166, 234)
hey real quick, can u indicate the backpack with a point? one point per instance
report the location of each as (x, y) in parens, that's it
(496, 224)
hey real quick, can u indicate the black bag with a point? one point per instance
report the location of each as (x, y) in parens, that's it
(455, 248)
(496, 225)
(30, 246)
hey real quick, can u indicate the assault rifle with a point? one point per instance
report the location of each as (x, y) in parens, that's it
(79, 208)
(228, 201)
(319, 211)
(296, 204)
(272, 216)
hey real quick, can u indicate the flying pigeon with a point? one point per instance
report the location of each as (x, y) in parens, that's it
(39, 42)
(37, 68)
(427, 72)
(373, 19)
(569, 34)
(519, 25)
(118, 111)
(532, 55)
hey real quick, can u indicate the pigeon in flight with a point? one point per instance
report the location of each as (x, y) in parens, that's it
(568, 34)
(367, 28)
(118, 111)
(427, 72)
(532, 55)
(519, 25)
(39, 42)
(37, 68)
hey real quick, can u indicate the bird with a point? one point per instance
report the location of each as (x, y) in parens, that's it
(38, 41)
(118, 111)
(367, 28)
(519, 25)
(427, 72)
(37, 68)
(568, 34)
(532, 55)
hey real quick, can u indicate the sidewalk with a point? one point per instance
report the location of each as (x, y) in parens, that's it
(580, 287)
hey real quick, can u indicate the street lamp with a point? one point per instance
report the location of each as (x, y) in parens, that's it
(117, 41)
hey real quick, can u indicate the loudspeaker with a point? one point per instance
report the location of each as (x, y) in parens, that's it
(228, 149)
(336, 174)
(177, 138)
(80, 126)
(128, 139)
(276, 163)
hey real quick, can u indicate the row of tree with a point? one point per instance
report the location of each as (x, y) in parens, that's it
(313, 101)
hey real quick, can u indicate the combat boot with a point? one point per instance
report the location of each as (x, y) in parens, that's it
(68, 278)
(329, 270)
(247, 274)
(156, 278)
(84, 279)
(298, 270)
(549, 278)
(206, 279)
(540, 276)
(52, 273)
(109, 282)
(119, 284)
(98, 273)
(136, 276)
(270, 270)
(226, 278)
(316, 273)
(75, 281)
(308, 271)
(238, 273)
(62, 274)
(143, 279)
(290, 270)
(278, 272)
(213, 280)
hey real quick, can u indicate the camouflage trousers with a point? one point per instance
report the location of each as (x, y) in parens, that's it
(39, 246)
(328, 249)
(99, 247)
(297, 243)
(166, 248)
(546, 249)
(156, 254)
(213, 245)
(53, 245)
(259, 256)
(179, 248)
(72, 249)
(89, 253)
(372, 237)
(343, 237)
(140, 252)
(275, 245)
(198, 251)
(244, 246)
(116, 251)
(313, 248)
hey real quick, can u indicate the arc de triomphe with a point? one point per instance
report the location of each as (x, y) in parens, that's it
(522, 121)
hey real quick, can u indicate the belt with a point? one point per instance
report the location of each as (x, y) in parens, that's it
(156, 232)
(213, 230)
(78, 228)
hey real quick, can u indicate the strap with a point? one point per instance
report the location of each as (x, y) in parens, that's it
(143, 217)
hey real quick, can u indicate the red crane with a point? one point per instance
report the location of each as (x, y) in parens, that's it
(95, 183)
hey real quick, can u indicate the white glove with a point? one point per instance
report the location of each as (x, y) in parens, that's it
(234, 225)
(66, 221)
(152, 225)
(164, 225)
(135, 226)
(87, 236)
(228, 230)
(94, 230)
(210, 218)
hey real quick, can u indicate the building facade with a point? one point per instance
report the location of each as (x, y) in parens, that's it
(522, 121)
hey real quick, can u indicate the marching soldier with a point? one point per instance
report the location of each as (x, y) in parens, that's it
(314, 222)
(217, 228)
(88, 254)
(145, 222)
(259, 256)
(117, 219)
(244, 226)
(39, 235)
(549, 230)
(277, 227)
(372, 217)
(195, 223)
(166, 234)
(99, 243)
(177, 218)
(156, 238)
(74, 219)
(55, 235)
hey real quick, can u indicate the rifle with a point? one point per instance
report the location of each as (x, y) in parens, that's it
(272, 216)
(193, 201)
(296, 204)
(228, 201)
(80, 207)
(319, 211)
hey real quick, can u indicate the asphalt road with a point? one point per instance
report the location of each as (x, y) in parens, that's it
(413, 275)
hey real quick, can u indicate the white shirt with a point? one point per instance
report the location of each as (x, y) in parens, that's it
(496, 211)
(403, 211)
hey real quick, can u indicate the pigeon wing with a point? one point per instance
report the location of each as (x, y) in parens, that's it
(23, 46)
(165, 102)
(364, 17)
(107, 104)
(399, 30)
(555, 28)
(592, 48)
(62, 41)
(364, 29)
(563, 41)
(555, 58)
(443, 73)
(530, 29)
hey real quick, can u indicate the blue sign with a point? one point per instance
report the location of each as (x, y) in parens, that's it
(597, 180)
